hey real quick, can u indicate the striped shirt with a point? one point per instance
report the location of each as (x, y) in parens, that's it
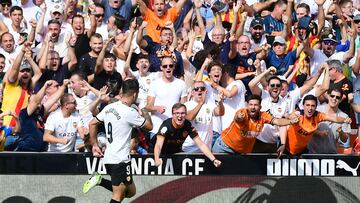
(271, 24)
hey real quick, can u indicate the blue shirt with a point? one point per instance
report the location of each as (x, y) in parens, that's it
(31, 136)
(271, 24)
(155, 62)
(124, 10)
(281, 64)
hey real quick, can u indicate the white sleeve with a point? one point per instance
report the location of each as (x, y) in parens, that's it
(101, 116)
(134, 118)
(183, 89)
(50, 122)
(152, 89)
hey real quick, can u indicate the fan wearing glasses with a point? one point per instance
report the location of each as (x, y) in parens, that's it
(173, 132)
(328, 46)
(163, 94)
(330, 134)
(271, 138)
(200, 112)
(339, 80)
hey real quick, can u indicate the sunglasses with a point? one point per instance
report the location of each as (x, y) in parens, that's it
(199, 89)
(99, 15)
(356, 21)
(25, 70)
(329, 42)
(334, 96)
(168, 65)
(275, 85)
(6, 4)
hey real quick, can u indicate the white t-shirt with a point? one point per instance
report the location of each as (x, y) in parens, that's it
(10, 57)
(202, 124)
(278, 109)
(319, 57)
(231, 105)
(60, 46)
(292, 98)
(211, 97)
(166, 94)
(119, 119)
(144, 86)
(63, 128)
(327, 144)
(83, 107)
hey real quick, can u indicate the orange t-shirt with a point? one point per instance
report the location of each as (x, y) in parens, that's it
(155, 23)
(300, 134)
(241, 136)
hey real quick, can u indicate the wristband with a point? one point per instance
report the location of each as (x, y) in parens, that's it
(214, 161)
(280, 145)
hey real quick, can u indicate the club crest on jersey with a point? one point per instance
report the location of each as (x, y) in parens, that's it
(207, 110)
(163, 130)
(185, 134)
(258, 127)
(279, 110)
(128, 178)
(74, 124)
(250, 61)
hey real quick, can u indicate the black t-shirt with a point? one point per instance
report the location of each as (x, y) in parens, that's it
(104, 78)
(59, 75)
(346, 87)
(87, 64)
(32, 130)
(82, 46)
(175, 137)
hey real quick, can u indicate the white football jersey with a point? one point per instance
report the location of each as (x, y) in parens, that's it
(119, 119)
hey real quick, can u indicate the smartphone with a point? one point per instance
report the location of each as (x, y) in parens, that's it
(270, 39)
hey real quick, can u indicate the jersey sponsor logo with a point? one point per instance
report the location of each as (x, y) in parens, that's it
(300, 167)
(114, 112)
(185, 134)
(246, 133)
(303, 132)
(146, 166)
(343, 165)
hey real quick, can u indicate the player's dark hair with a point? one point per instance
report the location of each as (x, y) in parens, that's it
(310, 97)
(253, 97)
(54, 21)
(334, 89)
(109, 55)
(65, 98)
(97, 35)
(177, 106)
(214, 63)
(304, 5)
(230, 70)
(274, 77)
(81, 75)
(77, 16)
(130, 87)
(16, 8)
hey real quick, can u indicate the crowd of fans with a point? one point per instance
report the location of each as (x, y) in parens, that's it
(254, 76)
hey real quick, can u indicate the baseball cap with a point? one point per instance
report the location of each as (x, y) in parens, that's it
(329, 36)
(279, 39)
(57, 8)
(282, 78)
(256, 22)
(25, 65)
(357, 17)
(304, 22)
